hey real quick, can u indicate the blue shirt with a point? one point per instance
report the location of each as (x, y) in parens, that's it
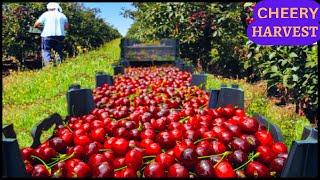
(54, 22)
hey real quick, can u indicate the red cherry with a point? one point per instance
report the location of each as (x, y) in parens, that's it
(109, 155)
(256, 169)
(266, 154)
(80, 170)
(67, 138)
(240, 173)
(178, 150)
(239, 112)
(44, 145)
(71, 163)
(145, 142)
(96, 159)
(224, 170)
(238, 157)
(165, 159)
(249, 125)
(129, 173)
(80, 132)
(228, 111)
(188, 157)
(209, 134)
(92, 148)
(133, 159)
(48, 153)
(177, 170)
(59, 169)
(118, 174)
(148, 134)
(204, 168)
(154, 170)
(165, 140)
(225, 136)
(120, 146)
(58, 144)
(152, 149)
(98, 134)
(103, 170)
(28, 166)
(279, 147)
(79, 151)
(40, 170)
(81, 140)
(218, 147)
(264, 137)
(27, 152)
(107, 143)
(252, 140)
(240, 144)
(177, 134)
(118, 162)
(191, 134)
(277, 165)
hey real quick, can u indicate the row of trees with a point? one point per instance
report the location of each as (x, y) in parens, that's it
(213, 37)
(87, 29)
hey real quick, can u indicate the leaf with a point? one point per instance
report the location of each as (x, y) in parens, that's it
(247, 4)
(311, 64)
(295, 78)
(257, 49)
(274, 75)
(246, 65)
(295, 68)
(293, 55)
(283, 62)
(214, 34)
(274, 68)
(272, 55)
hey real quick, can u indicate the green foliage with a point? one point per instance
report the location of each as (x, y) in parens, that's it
(31, 96)
(291, 74)
(87, 30)
(291, 71)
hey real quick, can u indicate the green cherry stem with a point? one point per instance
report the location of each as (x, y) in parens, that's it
(152, 156)
(42, 161)
(251, 159)
(192, 173)
(69, 128)
(61, 160)
(183, 119)
(103, 150)
(209, 138)
(140, 128)
(119, 169)
(201, 107)
(224, 155)
(209, 156)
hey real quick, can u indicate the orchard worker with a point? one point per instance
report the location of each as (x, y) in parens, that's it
(55, 23)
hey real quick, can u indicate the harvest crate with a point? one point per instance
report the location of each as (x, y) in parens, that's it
(134, 52)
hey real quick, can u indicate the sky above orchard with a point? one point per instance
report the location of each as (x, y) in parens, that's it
(111, 13)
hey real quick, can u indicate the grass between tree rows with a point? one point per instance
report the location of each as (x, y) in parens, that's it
(29, 97)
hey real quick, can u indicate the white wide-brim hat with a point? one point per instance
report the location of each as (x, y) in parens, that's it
(53, 5)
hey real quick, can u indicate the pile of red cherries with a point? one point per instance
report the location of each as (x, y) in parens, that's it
(152, 123)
